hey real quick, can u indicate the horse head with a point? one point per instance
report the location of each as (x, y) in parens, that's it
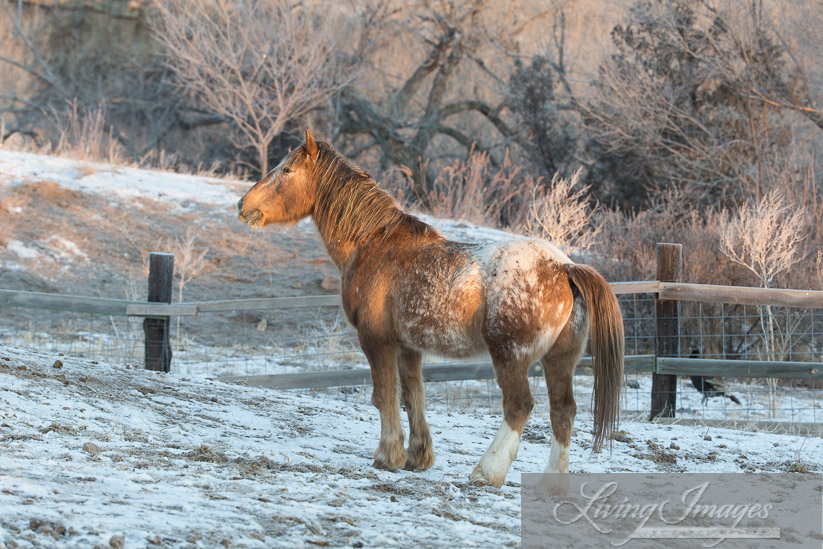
(286, 193)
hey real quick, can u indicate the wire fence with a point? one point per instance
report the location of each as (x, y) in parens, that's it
(318, 339)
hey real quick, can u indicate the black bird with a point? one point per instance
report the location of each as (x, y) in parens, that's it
(713, 387)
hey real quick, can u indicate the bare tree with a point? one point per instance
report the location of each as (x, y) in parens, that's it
(434, 98)
(260, 64)
(699, 97)
(764, 237)
(546, 107)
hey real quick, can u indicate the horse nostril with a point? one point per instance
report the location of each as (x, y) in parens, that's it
(240, 205)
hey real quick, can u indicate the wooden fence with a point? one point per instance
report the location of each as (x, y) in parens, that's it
(664, 365)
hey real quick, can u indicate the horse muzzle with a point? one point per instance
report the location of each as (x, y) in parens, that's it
(252, 218)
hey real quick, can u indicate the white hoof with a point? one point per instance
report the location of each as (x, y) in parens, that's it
(495, 463)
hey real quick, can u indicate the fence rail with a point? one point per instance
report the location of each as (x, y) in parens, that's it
(460, 371)
(739, 368)
(741, 295)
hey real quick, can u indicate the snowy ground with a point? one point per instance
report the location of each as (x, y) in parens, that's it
(186, 463)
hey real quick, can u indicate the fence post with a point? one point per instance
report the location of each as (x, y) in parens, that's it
(667, 342)
(158, 347)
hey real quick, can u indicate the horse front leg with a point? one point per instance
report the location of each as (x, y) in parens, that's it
(390, 453)
(421, 452)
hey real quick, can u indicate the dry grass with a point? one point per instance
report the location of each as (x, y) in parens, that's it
(83, 134)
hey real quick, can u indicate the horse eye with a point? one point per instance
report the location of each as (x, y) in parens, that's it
(286, 169)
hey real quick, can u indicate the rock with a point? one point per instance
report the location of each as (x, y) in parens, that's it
(117, 542)
(261, 326)
(330, 283)
(707, 437)
(58, 364)
(91, 448)
(673, 446)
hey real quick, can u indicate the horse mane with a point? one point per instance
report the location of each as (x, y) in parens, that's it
(349, 204)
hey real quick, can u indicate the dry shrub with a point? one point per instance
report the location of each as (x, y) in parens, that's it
(189, 259)
(801, 191)
(478, 192)
(627, 242)
(189, 262)
(83, 134)
(764, 236)
(562, 215)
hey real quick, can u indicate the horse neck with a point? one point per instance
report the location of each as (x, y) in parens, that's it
(351, 214)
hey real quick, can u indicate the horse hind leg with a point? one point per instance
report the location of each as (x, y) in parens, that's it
(390, 453)
(420, 452)
(558, 367)
(512, 377)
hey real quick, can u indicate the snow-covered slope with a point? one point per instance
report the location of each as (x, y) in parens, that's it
(185, 462)
(117, 181)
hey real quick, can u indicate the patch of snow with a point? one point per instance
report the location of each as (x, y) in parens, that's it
(21, 250)
(65, 248)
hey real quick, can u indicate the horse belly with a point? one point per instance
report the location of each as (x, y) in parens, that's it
(443, 315)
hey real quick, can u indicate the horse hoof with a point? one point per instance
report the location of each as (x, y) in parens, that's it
(391, 460)
(419, 460)
(479, 477)
(414, 465)
(381, 465)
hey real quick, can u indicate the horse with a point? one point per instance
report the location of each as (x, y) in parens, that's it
(406, 289)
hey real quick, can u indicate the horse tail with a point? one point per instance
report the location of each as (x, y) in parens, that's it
(607, 348)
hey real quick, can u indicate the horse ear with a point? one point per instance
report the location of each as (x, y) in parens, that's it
(311, 145)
